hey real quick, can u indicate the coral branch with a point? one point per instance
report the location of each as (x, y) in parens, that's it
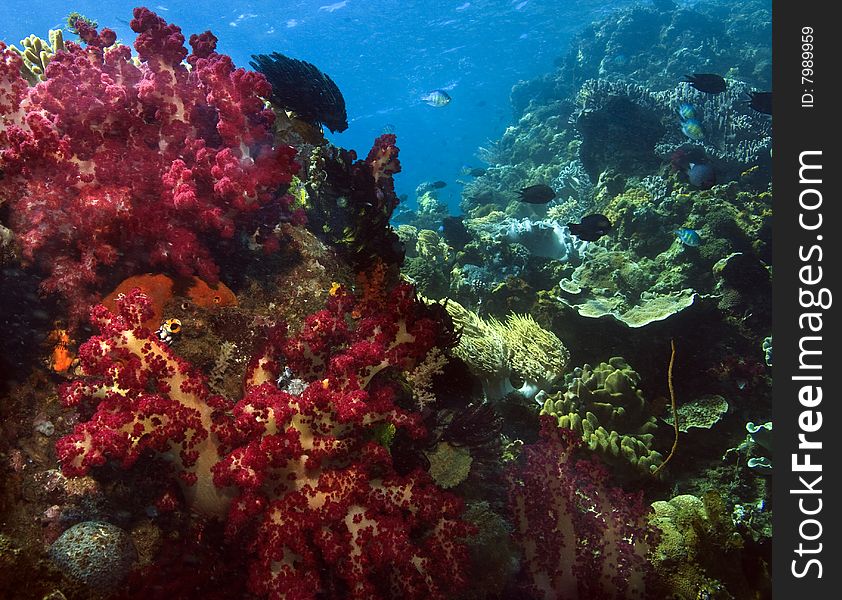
(580, 538)
(299, 479)
(150, 162)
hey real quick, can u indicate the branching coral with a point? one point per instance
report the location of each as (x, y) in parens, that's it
(37, 54)
(734, 138)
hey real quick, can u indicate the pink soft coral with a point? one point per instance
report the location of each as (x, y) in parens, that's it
(299, 477)
(581, 538)
(147, 163)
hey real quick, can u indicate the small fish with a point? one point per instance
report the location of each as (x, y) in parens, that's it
(701, 176)
(536, 194)
(168, 331)
(688, 237)
(761, 102)
(687, 111)
(388, 128)
(439, 184)
(454, 232)
(436, 98)
(62, 356)
(591, 228)
(334, 7)
(693, 129)
(708, 83)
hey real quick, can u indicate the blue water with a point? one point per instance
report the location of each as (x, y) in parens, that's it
(383, 56)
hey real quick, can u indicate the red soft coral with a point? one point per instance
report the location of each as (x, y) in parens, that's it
(581, 538)
(296, 472)
(148, 162)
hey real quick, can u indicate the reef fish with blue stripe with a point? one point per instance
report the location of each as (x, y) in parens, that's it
(687, 111)
(693, 129)
(688, 237)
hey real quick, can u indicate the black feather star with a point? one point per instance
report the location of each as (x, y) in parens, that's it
(300, 87)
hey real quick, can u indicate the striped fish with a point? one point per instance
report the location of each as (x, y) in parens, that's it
(688, 237)
(436, 98)
(693, 129)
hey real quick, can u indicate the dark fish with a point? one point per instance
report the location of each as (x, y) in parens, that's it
(591, 228)
(708, 83)
(536, 194)
(761, 102)
(454, 232)
(701, 176)
(473, 171)
(439, 184)
(303, 89)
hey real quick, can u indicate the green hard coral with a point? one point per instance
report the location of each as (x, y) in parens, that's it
(605, 406)
(700, 553)
(449, 464)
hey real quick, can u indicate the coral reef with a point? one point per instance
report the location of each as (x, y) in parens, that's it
(352, 410)
(734, 137)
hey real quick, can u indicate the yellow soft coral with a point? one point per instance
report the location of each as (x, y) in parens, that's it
(497, 350)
